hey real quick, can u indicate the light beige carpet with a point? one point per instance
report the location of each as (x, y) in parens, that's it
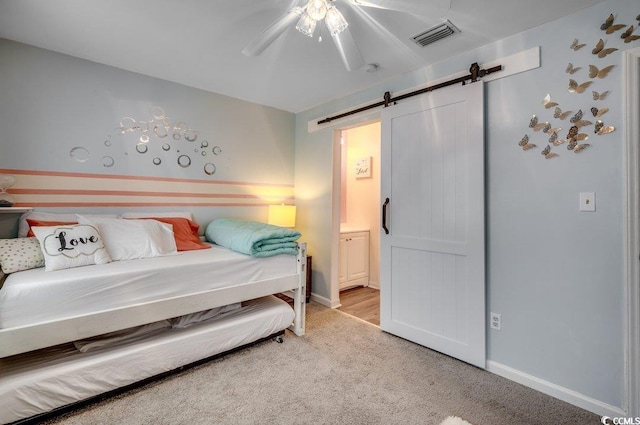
(344, 371)
(454, 420)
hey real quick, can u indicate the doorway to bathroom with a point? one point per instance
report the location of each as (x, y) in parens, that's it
(359, 248)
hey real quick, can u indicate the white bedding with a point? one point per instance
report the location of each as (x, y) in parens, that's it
(35, 296)
(43, 380)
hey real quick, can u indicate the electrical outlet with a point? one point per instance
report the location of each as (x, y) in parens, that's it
(496, 321)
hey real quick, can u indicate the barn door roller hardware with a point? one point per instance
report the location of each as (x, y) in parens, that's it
(474, 73)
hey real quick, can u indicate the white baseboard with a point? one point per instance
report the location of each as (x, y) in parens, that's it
(325, 301)
(596, 406)
(374, 285)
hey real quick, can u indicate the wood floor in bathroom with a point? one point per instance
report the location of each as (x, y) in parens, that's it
(362, 302)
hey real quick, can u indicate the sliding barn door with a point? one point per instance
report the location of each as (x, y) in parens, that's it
(432, 258)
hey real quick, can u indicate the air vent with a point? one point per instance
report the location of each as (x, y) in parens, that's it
(435, 33)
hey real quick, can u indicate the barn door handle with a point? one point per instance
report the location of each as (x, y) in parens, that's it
(384, 216)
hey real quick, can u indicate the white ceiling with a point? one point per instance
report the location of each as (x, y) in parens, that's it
(199, 42)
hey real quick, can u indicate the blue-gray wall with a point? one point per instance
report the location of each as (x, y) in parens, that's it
(51, 103)
(554, 273)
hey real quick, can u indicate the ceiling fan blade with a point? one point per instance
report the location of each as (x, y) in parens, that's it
(275, 30)
(348, 49)
(431, 8)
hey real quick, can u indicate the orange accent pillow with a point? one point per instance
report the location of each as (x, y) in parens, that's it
(36, 223)
(185, 233)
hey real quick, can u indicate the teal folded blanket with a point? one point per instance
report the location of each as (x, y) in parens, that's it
(252, 238)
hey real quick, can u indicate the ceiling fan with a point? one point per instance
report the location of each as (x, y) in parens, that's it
(315, 11)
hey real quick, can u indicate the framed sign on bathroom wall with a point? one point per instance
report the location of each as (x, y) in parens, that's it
(363, 167)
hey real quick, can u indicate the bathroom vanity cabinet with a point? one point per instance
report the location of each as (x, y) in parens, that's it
(354, 259)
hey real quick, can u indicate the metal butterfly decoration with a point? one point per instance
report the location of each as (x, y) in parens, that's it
(609, 27)
(581, 147)
(524, 143)
(599, 96)
(577, 116)
(571, 69)
(601, 129)
(551, 130)
(574, 135)
(582, 123)
(574, 87)
(561, 115)
(546, 152)
(594, 72)
(599, 112)
(533, 123)
(628, 36)
(548, 103)
(576, 46)
(601, 51)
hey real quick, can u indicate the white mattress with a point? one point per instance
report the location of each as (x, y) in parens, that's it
(43, 380)
(35, 296)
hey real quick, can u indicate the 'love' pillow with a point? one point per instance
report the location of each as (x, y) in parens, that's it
(70, 246)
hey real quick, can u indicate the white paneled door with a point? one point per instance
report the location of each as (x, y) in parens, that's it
(433, 256)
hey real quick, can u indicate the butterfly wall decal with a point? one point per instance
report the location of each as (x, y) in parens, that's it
(548, 103)
(601, 51)
(581, 147)
(609, 27)
(606, 130)
(550, 130)
(546, 152)
(599, 112)
(598, 126)
(561, 115)
(599, 96)
(607, 23)
(576, 46)
(524, 143)
(614, 28)
(628, 36)
(631, 38)
(571, 69)
(577, 116)
(574, 87)
(582, 123)
(533, 123)
(594, 72)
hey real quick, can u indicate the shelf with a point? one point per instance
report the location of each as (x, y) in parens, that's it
(15, 210)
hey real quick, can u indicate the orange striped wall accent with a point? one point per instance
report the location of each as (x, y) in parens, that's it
(61, 189)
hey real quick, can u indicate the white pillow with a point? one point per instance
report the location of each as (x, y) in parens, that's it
(23, 226)
(178, 214)
(131, 239)
(70, 246)
(20, 254)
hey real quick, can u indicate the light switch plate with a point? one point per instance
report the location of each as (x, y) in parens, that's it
(587, 201)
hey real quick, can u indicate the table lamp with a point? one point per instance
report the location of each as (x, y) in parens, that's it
(282, 215)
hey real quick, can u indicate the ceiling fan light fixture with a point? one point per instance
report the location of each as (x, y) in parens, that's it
(306, 25)
(317, 9)
(335, 21)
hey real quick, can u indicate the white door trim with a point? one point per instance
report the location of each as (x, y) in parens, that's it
(631, 230)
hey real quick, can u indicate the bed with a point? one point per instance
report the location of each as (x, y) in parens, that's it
(43, 313)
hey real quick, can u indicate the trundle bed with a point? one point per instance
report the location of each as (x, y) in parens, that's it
(51, 354)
